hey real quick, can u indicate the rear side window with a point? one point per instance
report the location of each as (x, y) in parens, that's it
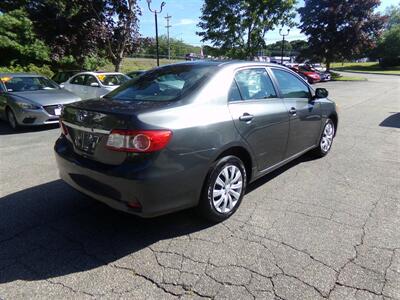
(290, 85)
(167, 83)
(79, 79)
(234, 93)
(255, 84)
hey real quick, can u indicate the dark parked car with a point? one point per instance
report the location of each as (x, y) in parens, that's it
(28, 99)
(192, 135)
(63, 76)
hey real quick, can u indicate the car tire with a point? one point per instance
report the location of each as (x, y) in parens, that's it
(224, 189)
(326, 139)
(12, 120)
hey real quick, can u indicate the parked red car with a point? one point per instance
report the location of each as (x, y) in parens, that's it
(312, 77)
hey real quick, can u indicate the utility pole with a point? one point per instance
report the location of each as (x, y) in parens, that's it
(168, 27)
(283, 42)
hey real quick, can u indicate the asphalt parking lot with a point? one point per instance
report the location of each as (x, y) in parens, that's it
(316, 229)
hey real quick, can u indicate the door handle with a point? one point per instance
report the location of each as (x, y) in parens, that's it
(292, 111)
(246, 117)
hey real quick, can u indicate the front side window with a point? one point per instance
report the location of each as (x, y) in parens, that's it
(90, 79)
(255, 84)
(290, 85)
(112, 79)
(167, 83)
(26, 83)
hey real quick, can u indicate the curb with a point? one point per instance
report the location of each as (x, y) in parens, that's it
(367, 73)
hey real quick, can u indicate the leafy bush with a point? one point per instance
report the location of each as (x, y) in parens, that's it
(31, 68)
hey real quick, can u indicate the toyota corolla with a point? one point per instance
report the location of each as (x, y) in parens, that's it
(193, 134)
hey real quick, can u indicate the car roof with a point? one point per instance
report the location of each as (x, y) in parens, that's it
(20, 75)
(225, 63)
(99, 73)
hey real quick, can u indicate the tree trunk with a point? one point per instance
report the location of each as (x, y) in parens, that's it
(328, 65)
(117, 64)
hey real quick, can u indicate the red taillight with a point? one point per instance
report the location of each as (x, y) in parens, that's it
(63, 128)
(138, 140)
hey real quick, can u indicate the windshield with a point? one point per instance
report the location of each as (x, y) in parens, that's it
(111, 80)
(167, 83)
(22, 84)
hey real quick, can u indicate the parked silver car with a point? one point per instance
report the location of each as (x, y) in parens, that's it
(27, 99)
(88, 85)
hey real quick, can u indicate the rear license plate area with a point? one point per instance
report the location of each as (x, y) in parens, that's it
(86, 141)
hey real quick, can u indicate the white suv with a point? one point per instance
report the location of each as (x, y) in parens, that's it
(89, 85)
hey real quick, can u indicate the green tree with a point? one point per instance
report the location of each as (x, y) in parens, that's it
(393, 14)
(178, 48)
(340, 29)
(388, 49)
(18, 43)
(119, 20)
(239, 27)
(68, 27)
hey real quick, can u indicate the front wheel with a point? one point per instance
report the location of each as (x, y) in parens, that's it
(224, 189)
(12, 120)
(326, 140)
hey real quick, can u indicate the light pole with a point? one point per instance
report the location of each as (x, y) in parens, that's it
(283, 42)
(168, 27)
(155, 19)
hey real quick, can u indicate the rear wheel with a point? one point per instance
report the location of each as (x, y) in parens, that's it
(224, 189)
(12, 120)
(326, 140)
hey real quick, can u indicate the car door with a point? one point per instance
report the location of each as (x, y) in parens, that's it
(92, 86)
(259, 115)
(304, 112)
(3, 101)
(76, 85)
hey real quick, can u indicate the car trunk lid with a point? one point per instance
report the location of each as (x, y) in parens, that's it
(90, 122)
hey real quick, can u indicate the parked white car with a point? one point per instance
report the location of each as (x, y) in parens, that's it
(89, 85)
(319, 67)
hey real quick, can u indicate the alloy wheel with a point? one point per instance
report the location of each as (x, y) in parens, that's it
(327, 137)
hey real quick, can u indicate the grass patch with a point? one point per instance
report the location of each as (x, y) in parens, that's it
(368, 67)
(339, 77)
(134, 64)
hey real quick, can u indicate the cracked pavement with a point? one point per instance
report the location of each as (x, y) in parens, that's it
(314, 229)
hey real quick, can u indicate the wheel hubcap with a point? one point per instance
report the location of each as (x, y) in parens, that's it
(227, 189)
(327, 137)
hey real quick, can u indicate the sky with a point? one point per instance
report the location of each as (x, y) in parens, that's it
(185, 17)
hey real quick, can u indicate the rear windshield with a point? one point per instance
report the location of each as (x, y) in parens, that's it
(167, 83)
(22, 84)
(115, 79)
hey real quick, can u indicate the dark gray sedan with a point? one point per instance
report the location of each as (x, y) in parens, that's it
(27, 99)
(192, 135)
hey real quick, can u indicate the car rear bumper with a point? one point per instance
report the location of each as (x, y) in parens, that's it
(117, 186)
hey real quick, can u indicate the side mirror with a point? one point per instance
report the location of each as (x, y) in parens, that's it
(94, 84)
(321, 93)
